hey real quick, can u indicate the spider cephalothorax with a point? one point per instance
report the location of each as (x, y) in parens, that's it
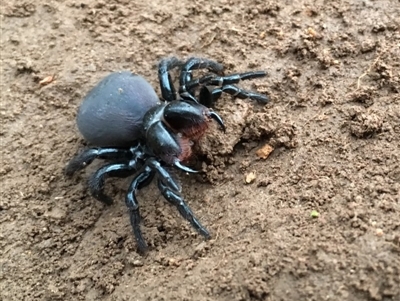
(139, 135)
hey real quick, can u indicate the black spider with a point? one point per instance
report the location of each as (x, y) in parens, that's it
(139, 134)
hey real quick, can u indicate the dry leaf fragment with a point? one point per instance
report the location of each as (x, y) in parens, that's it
(265, 151)
(47, 80)
(312, 33)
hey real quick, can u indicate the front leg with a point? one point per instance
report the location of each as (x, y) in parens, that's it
(212, 88)
(209, 94)
(185, 77)
(195, 63)
(167, 87)
(213, 80)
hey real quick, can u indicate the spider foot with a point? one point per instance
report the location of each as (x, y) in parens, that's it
(178, 201)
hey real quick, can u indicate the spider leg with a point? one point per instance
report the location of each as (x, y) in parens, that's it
(141, 180)
(194, 63)
(186, 74)
(163, 174)
(89, 155)
(187, 91)
(212, 80)
(209, 95)
(96, 181)
(167, 87)
(178, 201)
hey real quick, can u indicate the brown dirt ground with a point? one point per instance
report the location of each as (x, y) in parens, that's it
(333, 119)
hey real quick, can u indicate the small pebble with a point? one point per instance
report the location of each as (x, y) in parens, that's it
(137, 263)
(250, 177)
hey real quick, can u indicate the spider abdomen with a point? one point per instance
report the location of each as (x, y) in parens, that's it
(112, 113)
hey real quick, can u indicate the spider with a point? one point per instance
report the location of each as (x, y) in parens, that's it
(139, 134)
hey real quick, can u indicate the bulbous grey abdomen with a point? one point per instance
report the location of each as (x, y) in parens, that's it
(112, 113)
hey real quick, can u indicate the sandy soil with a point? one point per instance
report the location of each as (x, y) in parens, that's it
(333, 119)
